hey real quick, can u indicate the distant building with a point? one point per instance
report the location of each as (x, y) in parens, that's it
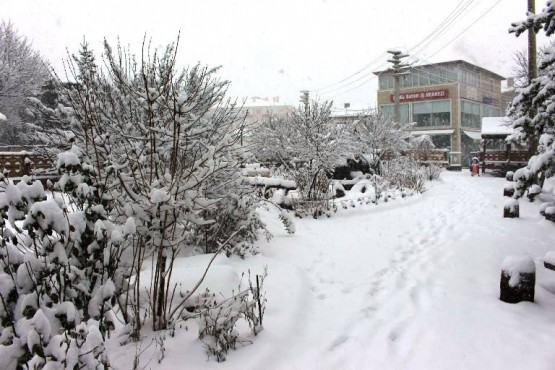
(258, 109)
(447, 101)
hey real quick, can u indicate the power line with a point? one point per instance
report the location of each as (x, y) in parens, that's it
(467, 28)
(441, 29)
(375, 60)
(437, 51)
(443, 26)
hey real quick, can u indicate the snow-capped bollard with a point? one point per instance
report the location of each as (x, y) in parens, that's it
(518, 279)
(510, 209)
(509, 176)
(549, 260)
(509, 189)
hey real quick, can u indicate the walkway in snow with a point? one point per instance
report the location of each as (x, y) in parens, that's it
(411, 284)
(414, 284)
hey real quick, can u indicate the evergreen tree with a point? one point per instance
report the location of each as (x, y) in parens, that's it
(22, 74)
(533, 110)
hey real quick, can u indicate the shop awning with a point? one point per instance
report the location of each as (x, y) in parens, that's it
(473, 134)
(432, 132)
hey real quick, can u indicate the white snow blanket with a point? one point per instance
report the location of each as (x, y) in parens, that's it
(408, 284)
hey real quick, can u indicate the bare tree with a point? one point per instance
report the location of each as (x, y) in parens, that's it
(520, 67)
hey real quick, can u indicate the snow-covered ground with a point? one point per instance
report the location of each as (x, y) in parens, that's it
(409, 284)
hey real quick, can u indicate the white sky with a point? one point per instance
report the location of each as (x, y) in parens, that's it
(276, 48)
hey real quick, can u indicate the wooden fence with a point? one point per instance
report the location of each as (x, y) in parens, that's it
(23, 163)
(439, 157)
(502, 160)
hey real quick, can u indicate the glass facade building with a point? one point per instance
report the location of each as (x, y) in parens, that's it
(446, 101)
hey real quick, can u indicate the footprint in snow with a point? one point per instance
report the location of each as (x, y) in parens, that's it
(338, 342)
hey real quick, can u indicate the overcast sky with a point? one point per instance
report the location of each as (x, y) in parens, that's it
(276, 48)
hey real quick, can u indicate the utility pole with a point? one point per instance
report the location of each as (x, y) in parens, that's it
(399, 69)
(532, 52)
(305, 97)
(532, 71)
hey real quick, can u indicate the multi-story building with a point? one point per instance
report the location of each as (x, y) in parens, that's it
(446, 101)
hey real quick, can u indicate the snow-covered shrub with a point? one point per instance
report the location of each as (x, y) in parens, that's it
(431, 171)
(404, 173)
(165, 146)
(61, 275)
(218, 321)
(315, 193)
(308, 146)
(233, 215)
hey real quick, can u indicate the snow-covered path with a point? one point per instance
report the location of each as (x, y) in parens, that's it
(412, 284)
(408, 284)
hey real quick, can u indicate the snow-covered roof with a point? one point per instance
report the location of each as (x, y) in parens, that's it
(432, 132)
(473, 134)
(496, 126)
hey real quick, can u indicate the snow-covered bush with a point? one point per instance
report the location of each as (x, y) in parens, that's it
(308, 145)
(164, 145)
(404, 172)
(431, 171)
(233, 214)
(219, 318)
(61, 275)
(315, 193)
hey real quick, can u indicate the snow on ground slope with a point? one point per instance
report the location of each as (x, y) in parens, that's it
(411, 284)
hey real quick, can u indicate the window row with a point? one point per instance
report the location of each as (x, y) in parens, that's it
(430, 75)
(438, 113)
(425, 114)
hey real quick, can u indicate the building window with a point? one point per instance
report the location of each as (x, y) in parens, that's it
(435, 113)
(434, 76)
(469, 77)
(407, 81)
(489, 111)
(424, 77)
(470, 114)
(490, 85)
(386, 82)
(387, 111)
